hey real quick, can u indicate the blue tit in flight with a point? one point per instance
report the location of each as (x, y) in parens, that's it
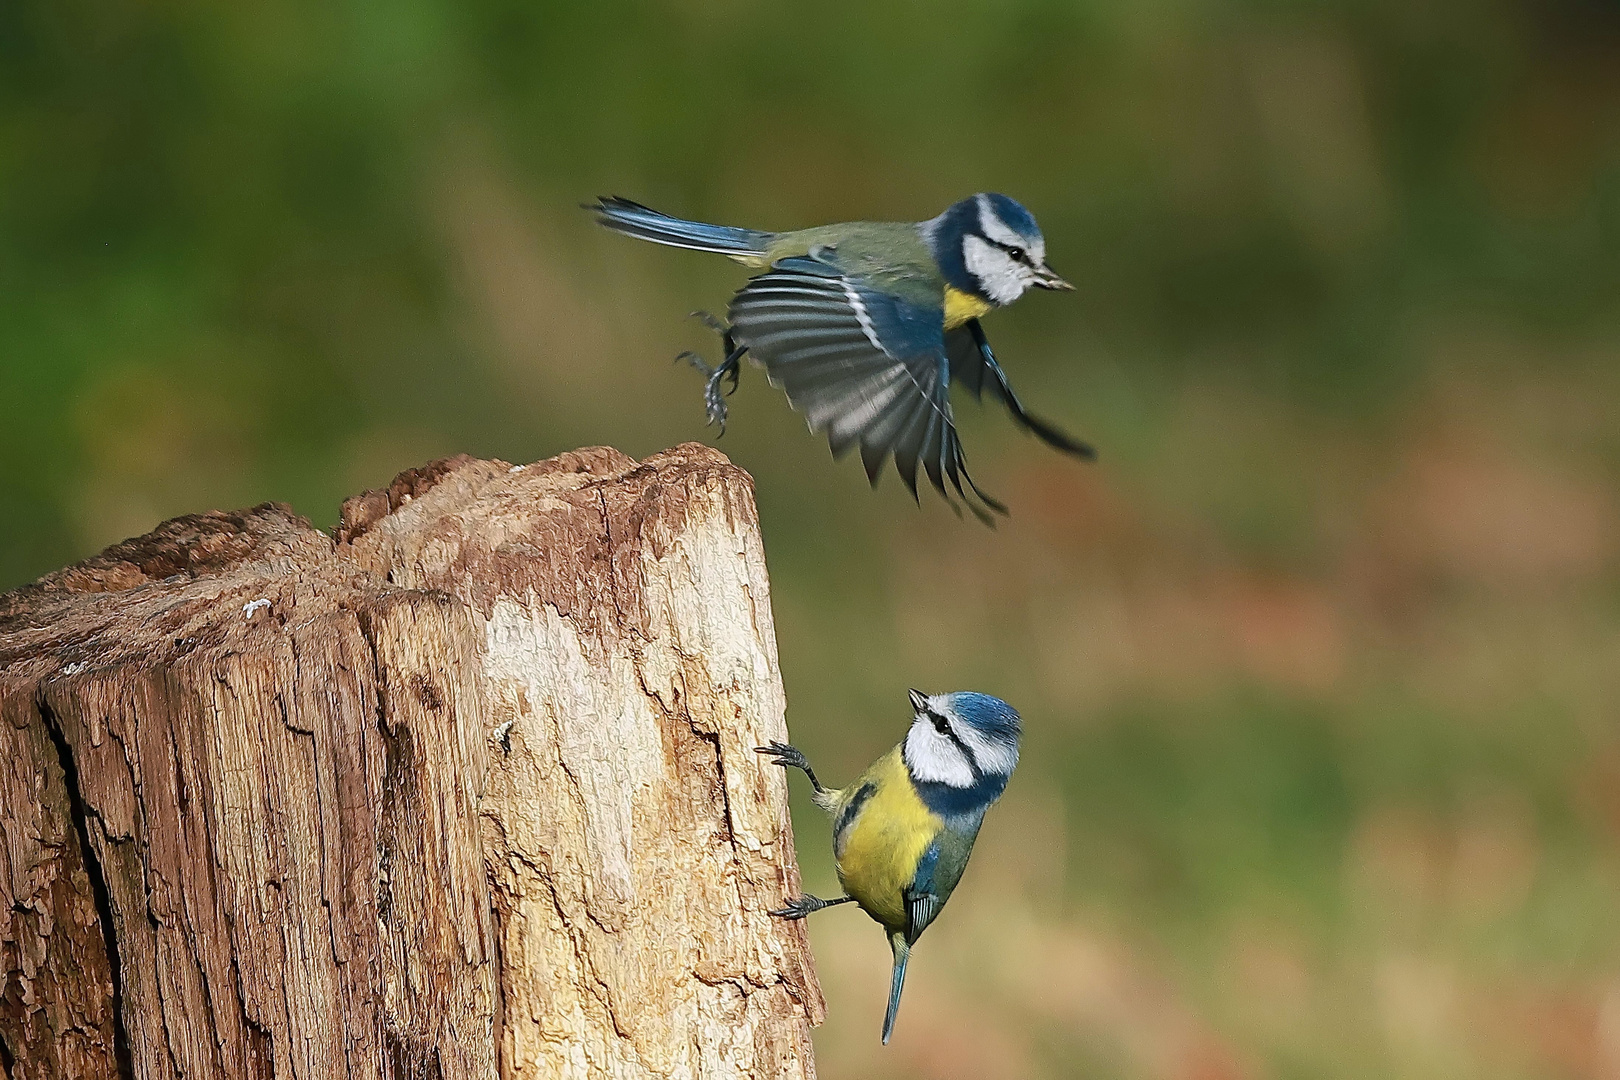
(903, 831)
(866, 324)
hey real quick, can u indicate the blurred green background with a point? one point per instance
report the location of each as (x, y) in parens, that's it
(1320, 663)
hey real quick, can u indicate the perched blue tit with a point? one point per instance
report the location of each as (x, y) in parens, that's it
(866, 324)
(903, 831)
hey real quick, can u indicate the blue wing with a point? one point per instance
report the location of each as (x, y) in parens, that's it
(867, 367)
(937, 874)
(923, 898)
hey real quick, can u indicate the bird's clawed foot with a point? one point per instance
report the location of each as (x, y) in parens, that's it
(791, 757)
(801, 906)
(714, 397)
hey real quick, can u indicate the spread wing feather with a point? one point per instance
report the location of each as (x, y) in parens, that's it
(974, 367)
(866, 367)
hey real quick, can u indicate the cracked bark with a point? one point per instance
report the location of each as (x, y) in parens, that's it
(466, 790)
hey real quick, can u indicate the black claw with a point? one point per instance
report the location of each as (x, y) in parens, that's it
(801, 906)
(789, 757)
(798, 908)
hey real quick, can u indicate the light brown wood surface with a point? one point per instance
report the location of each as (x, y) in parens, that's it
(466, 790)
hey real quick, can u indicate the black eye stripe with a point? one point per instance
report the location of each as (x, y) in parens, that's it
(1013, 251)
(943, 726)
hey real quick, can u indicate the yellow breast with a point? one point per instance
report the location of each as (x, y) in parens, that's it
(878, 857)
(961, 306)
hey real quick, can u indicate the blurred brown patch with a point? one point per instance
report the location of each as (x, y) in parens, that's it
(1410, 870)
(1543, 153)
(1079, 508)
(1395, 868)
(1286, 633)
(952, 1040)
(1271, 984)
(1569, 1030)
(1209, 1058)
(1494, 858)
(1466, 509)
(1597, 788)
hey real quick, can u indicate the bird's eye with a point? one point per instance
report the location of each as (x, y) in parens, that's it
(1017, 254)
(941, 725)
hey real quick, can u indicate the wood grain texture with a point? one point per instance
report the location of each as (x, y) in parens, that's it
(466, 790)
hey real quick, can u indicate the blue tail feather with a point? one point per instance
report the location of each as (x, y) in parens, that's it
(644, 223)
(897, 983)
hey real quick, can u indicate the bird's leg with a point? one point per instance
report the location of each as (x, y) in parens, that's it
(801, 906)
(713, 397)
(791, 757)
(733, 352)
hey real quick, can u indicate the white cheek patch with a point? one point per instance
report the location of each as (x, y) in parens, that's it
(933, 758)
(995, 758)
(1002, 279)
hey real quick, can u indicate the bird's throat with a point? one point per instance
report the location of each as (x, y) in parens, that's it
(961, 306)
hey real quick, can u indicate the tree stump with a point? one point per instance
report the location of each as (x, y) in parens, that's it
(467, 790)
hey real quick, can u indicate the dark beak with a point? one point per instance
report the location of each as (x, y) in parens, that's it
(919, 700)
(1045, 278)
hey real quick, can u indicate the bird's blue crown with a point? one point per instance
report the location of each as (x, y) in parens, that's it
(1012, 212)
(991, 716)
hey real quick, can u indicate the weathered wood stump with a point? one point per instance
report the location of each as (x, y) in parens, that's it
(466, 790)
